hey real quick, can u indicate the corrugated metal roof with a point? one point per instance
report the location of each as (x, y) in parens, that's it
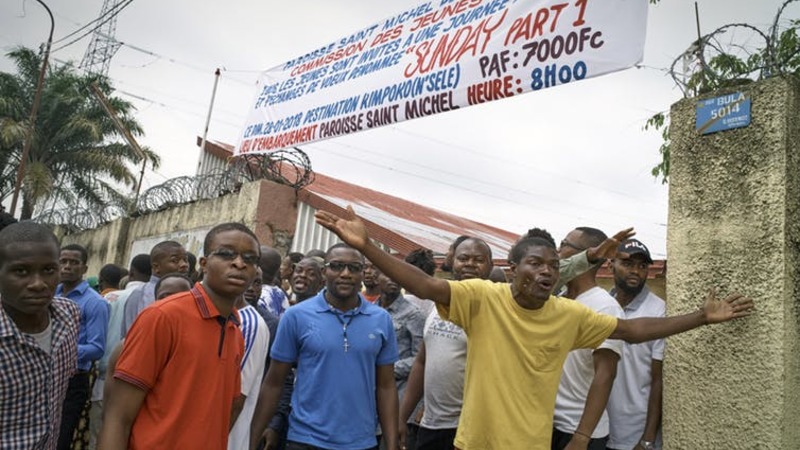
(400, 224)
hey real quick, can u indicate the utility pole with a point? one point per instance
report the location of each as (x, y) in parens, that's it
(37, 97)
(123, 130)
(202, 163)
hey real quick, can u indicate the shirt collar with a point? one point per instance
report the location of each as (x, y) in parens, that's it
(207, 308)
(80, 289)
(637, 301)
(396, 305)
(57, 316)
(321, 305)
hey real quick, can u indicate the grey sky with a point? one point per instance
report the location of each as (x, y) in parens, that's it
(568, 156)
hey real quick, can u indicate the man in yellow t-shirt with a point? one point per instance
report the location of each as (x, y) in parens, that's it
(519, 334)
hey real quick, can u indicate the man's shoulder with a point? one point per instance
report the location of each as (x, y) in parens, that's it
(272, 291)
(176, 304)
(600, 300)
(250, 317)
(94, 297)
(66, 310)
(653, 301)
(406, 306)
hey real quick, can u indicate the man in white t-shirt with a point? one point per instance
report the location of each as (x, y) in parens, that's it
(445, 346)
(580, 419)
(634, 408)
(256, 346)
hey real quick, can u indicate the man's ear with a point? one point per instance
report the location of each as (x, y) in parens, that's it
(202, 261)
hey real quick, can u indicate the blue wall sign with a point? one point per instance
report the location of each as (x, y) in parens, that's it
(723, 113)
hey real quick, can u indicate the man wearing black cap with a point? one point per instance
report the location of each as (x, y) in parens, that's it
(634, 407)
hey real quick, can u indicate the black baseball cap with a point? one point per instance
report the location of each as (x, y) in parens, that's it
(635, 247)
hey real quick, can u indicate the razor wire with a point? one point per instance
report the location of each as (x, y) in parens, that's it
(289, 167)
(734, 54)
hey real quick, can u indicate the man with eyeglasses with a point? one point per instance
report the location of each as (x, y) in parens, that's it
(580, 419)
(345, 349)
(179, 372)
(634, 407)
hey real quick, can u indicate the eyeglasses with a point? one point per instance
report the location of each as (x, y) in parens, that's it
(250, 259)
(566, 243)
(338, 266)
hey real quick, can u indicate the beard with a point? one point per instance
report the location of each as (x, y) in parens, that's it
(632, 291)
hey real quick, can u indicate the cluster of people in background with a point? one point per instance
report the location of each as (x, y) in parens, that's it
(349, 348)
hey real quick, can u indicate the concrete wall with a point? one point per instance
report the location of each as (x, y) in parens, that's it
(734, 224)
(269, 209)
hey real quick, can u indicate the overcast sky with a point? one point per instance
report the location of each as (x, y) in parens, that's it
(574, 155)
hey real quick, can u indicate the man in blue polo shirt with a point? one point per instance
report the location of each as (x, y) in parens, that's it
(91, 338)
(345, 350)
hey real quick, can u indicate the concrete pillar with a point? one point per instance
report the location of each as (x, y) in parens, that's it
(734, 223)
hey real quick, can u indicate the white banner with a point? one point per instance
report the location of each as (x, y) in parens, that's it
(440, 56)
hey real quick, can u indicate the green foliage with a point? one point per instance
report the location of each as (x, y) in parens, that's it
(659, 122)
(780, 56)
(76, 157)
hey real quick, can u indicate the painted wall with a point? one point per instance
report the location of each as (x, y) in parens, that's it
(269, 209)
(734, 224)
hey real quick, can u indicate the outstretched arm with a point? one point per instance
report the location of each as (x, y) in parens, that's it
(352, 231)
(644, 329)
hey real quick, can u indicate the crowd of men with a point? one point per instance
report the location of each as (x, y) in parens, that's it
(349, 348)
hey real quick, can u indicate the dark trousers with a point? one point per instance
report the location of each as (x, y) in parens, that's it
(291, 445)
(78, 392)
(428, 439)
(561, 439)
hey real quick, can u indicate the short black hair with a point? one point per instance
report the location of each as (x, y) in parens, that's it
(223, 227)
(447, 265)
(6, 219)
(341, 245)
(296, 257)
(158, 250)
(521, 247)
(192, 260)
(315, 253)
(141, 263)
(25, 231)
(77, 248)
(269, 262)
(592, 237)
(540, 233)
(171, 275)
(423, 259)
(112, 274)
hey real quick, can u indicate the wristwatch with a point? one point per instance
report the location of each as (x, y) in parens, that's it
(647, 445)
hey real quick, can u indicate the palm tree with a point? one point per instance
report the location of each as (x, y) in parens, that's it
(77, 158)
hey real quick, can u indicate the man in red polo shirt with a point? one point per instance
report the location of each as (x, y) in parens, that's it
(179, 368)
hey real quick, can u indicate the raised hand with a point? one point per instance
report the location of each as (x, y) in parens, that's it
(731, 307)
(349, 229)
(608, 249)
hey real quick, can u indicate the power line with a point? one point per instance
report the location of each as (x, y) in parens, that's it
(514, 163)
(100, 24)
(482, 193)
(90, 23)
(439, 170)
